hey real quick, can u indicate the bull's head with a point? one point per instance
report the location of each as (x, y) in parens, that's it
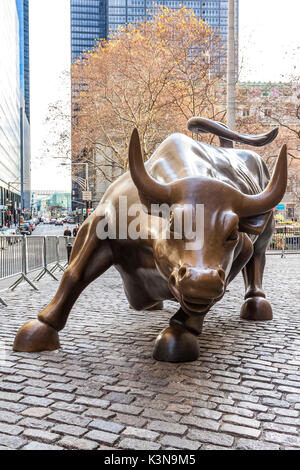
(198, 278)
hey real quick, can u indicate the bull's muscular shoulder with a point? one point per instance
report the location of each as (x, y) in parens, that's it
(179, 156)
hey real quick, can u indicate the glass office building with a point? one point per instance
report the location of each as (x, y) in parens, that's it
(88, 22)
(94, 19)
(10, 100)
(23, 13)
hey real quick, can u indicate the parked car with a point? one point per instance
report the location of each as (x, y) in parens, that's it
(46, 221)
(31, 224)
(71, 220)
(59, 222)
(52, 221)
(25, 229)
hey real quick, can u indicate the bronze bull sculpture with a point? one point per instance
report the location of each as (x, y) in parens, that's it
(238, 198)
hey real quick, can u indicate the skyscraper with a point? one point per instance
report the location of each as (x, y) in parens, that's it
(88, 22)
(10, 97)
(23, 15)
(94, 19)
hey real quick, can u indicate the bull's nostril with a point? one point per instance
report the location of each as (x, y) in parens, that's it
(181, 273)
(172, 280)
(221, 273)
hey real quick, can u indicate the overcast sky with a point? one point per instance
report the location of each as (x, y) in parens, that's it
(269, 38)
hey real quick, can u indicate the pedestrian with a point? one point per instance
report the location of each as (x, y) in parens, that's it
(75, 231)
(67, 232)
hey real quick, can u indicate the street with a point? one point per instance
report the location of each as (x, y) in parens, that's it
(103, 389)
(47, 229)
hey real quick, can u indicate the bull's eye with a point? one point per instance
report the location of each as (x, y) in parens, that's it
(233, 236)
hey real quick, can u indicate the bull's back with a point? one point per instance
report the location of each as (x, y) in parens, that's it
(180, 156)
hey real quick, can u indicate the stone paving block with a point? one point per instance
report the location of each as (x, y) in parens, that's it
(241, 430)
(69, 418)
(44, 436)
(236, 419)
(35, 445)
(10, 429)
(61, 387)
(283, 439)
(170, 428)
(128, 409)
(281, 428)
(76, 431)
(94, 402)
(236, 410)
(179, 443)
(201, 422)
(36, 412)
(10, 387)
(207, 413)
(137, 444)
(67, 397)
(119, 398)
(80, 444)
(211, 437)
(13, 397)
(37, 401)
(12, 442)
(251, 444)
(130, 420)
(140, 433)
(99, 413)
(34, 423)
(8, 417)
(109, 426)
(101, 436)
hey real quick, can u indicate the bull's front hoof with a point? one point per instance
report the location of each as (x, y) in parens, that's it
(175, 344)
(35, 336)
(256, 309)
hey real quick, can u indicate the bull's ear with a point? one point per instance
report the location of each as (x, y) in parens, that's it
(255, 224)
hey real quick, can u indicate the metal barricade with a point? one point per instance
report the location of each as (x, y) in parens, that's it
(24, 272)
(35, 252)
(51, 251)
(285, 240)
(49, 257)
(20, 255)
(11, 250)
(10, 256)
(63, 252)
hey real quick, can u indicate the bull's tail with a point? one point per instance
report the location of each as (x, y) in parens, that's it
(202, 125)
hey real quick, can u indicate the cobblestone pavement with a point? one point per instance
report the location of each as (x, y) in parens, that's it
(103, 389)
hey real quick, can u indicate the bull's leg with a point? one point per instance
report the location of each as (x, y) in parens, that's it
(90, 258)
(178, 342)
(255, 307)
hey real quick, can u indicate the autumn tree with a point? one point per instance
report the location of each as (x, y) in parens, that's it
(154, 76)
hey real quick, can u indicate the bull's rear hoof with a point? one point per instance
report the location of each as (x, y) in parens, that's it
(158, 306)
(36, 336)
(256, 309)
(175, 344)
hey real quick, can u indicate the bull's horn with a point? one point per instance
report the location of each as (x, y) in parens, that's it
(199, 124)
(146, 185)
(274, 192)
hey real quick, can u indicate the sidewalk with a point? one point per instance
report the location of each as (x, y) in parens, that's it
(104, 390)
